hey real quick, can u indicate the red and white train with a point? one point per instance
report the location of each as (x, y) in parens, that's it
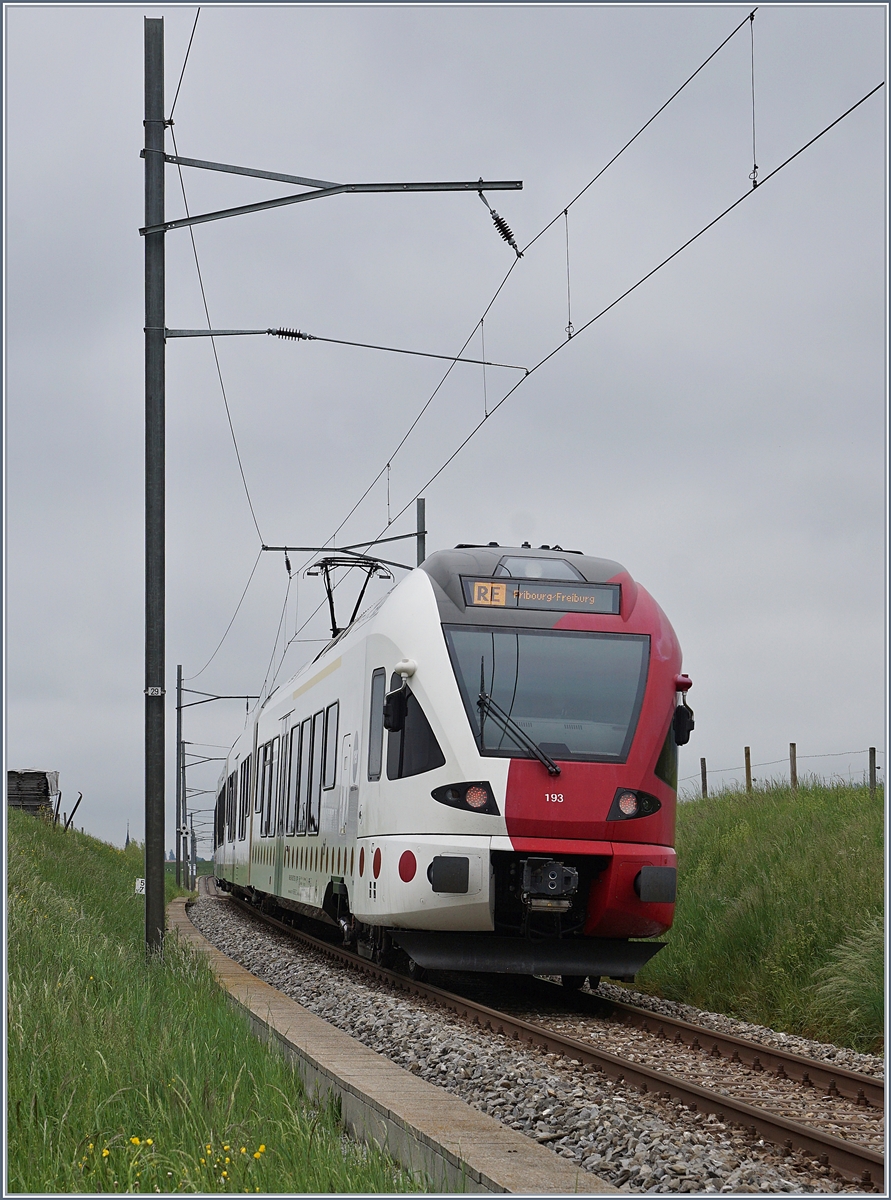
(479, 773)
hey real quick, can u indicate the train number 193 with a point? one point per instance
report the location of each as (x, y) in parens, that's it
(553, 797)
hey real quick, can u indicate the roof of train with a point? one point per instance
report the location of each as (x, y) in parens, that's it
(444, 565)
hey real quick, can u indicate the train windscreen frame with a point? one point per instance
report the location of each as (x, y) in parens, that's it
(576, 694)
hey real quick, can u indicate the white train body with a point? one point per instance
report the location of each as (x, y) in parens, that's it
(323, 811)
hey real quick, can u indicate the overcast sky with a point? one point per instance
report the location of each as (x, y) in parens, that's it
(720, 432)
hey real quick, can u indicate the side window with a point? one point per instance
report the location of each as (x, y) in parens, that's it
(376, 724)
(331, 718)
(218, 823)
(666, 767)
(413, 749)
(293, 780)
(305, 764)
(315, 787)
(231, 791)
(244, 789)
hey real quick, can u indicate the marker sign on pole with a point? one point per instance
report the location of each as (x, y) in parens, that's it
(140, 887)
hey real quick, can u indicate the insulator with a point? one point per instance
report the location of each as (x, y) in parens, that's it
(502, 226)
(287, 564)
(292, 333)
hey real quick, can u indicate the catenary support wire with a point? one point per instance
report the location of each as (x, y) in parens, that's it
(754, 174)
(633, 288)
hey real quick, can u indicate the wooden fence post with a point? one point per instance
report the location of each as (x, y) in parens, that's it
(748, 769)
(872, 772)
(793, 766)
(704, 779)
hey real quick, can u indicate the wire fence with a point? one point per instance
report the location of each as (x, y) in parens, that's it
(742, 777)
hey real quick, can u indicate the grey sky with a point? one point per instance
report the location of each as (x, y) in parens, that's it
(721, 432)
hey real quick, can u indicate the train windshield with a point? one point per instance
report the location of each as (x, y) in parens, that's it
(574, 695)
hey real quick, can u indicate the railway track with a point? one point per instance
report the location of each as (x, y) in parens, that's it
(839, 1086)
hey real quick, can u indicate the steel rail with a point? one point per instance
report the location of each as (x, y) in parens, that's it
(850, 1159)
(853, 1085)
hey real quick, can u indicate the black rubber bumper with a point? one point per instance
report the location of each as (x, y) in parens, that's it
(517, 956)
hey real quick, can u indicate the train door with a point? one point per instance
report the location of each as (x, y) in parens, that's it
(280, 787)
(349, 786)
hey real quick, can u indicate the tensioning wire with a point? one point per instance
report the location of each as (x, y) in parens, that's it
(633, 288)
(507, 275)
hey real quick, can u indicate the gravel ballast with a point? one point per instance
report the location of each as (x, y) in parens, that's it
(640, 1142)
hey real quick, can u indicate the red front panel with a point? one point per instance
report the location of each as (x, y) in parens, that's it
(574, 804)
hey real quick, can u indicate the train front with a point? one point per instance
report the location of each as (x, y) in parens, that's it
(569, 676)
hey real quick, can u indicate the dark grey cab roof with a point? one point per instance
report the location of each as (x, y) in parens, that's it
(445, 568)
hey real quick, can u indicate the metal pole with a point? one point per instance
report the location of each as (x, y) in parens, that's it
(179, 780)
(704, 779)
(155, 321)
(422, 530)
(793, 767)
(872, 772)
(748, 769)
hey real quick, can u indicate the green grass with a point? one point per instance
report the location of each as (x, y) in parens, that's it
(780, 911)
(125, 1075)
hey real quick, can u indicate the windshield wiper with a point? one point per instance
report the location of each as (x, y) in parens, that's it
(488, 707)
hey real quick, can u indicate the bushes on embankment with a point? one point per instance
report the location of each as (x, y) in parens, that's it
(125, 1075)
(780, 911)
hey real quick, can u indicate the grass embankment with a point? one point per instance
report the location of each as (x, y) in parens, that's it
(780, 912)
(125, 1075)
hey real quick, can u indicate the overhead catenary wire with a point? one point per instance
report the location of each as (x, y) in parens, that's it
(754, 174)
(189, 678)
(214, 348)
(516, 260)
(628, 292)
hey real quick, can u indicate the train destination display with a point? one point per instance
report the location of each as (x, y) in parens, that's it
(558, 597)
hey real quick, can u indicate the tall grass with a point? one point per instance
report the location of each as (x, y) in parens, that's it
(780, 911)
(131, 1076)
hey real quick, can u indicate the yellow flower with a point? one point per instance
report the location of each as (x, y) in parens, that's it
(243, 1150)
(202, 1162)
(225, 1174)
(227, 1158)
(150, 1141)
(225, 1147)
(105, 1153)
(262, 1148)
(135, 1141)
(256, 1154)
(90, 1147)
(207, 1147)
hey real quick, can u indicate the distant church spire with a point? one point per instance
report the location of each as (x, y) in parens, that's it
(127, 842)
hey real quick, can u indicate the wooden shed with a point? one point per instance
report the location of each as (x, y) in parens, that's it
(34, 791)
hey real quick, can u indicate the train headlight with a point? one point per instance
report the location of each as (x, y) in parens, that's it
(477, 797)
(472, 797)
(628, 804)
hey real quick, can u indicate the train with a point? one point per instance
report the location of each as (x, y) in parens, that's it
(479, 773)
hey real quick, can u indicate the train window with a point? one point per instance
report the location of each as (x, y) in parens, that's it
(315, 786)
(413, 749)
(231, 792)
(666, 767)
(576, 695)
(244, 791)
(258, 775)
(522, 567)
(331, 717)
(305, 765)
(293, 780)
(376, 724)
(219, 815)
